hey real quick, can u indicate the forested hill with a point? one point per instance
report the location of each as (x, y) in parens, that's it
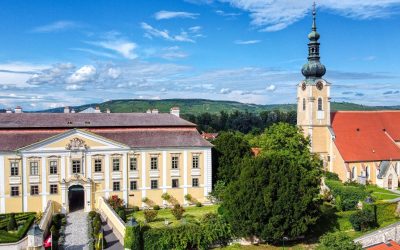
(199, 106)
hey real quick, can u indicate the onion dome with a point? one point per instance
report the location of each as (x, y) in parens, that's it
(313, 68)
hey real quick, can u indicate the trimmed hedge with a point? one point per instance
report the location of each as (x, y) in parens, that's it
(24, 221)
(213, 230)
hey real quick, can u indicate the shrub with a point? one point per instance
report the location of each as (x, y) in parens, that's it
(115, 202)
(349, 193)
(92, 214)
(166, 196)
(12, 223)
(135, 208)
(150, 215)
(156, 207)
(337, 241)
(363, 220)
(64, 221)
(198, 204)
(188, 197)
(177, 211)
(133, 238)
(331, 176)
(145, 199)
(122, 214)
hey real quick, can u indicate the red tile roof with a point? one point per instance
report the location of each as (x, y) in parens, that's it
(367, 135)
(383, 246)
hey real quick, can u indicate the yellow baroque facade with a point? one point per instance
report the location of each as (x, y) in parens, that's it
(137, 157)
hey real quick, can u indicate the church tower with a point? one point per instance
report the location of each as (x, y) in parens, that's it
(313, 97)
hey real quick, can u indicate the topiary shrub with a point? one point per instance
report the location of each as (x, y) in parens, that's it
(150, 215)
(166, 196)
(188, 197)
(135, 208)
(156, 207)
(177, 211)
(92, 214)
(363, 220)
(198, 204)
(12, 223)
(349, 193)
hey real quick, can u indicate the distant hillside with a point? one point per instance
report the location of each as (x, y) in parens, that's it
(197, 106)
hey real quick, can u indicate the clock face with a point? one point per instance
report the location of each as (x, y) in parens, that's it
(303, 86)
(320, 85)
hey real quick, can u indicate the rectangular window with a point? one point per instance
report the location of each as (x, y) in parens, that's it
(133, 164)
(195, 182)
(154, 184)
(53, 167)
(14, 168)
(195, 161)
(98, 165)
(154, 163)
(34, 166)
(175, 162)
(14, 191)
(115, 162)
(116, 186)
(133, 185)
(175, 183)
(34, 190)
(53, 189)
(76, 166)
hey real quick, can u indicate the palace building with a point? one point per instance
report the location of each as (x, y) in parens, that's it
(362, 146)
(75, 158)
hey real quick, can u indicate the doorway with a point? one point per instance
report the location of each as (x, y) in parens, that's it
(76, 198)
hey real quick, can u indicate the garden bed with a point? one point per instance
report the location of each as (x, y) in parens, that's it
(23, 221)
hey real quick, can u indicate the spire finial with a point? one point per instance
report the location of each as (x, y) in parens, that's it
(314, 13)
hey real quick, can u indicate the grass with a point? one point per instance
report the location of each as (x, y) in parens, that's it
(191, 213)
(269, 247)
(380, 193)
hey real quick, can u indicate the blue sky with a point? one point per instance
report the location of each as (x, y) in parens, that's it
(56, 53)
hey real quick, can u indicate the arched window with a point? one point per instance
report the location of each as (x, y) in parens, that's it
(320, 104)
(353, 173)
(304, 104)
(367, 170)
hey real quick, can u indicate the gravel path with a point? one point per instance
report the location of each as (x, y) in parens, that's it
(76, 231)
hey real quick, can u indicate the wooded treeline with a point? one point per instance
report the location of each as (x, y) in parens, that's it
(244, 122)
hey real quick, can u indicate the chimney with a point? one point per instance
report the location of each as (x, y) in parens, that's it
(148, 111)
(73, 111)
(97, 110)
(18, 110)
(8, 111)
(154, 111)
(174, 111)
(66, 109)
(108, 111)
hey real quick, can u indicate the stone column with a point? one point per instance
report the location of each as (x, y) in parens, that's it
(88, 197)
(185, 176)
(107, 175)
(64, 195)
(44, 183)
(24, 185)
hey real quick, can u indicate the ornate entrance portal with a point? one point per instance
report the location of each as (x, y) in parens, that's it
(76, 198)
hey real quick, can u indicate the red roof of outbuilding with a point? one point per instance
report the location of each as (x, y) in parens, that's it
(367, 135)
(390, 245)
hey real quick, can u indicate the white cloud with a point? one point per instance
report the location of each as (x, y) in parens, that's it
(114, 73)
(225, 91)
(247, 42)
(151, 32)
(271, 88)
(120, 46)
(276, 15)
(94, 52)
(74, 87)
(227, 14)
(55, 27)
(84, 74)
(172, 53)
(163, 14)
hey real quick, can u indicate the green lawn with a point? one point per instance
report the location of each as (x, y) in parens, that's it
(269, 247)
(380, 193)
(191, 213)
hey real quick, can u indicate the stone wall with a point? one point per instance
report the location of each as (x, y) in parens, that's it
(385, 234)
(20, 245)
(112, 219)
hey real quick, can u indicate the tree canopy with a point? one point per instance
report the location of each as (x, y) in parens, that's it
(275, 195)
